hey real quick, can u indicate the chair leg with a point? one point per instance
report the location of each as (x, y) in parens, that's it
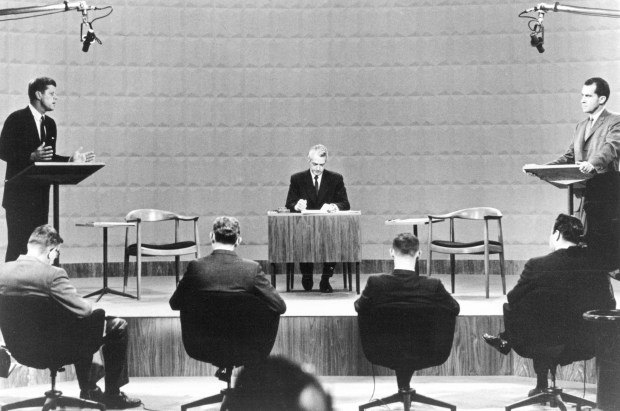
(138, 275)
(486, 271)
(64, 402)
(290, 276)
(214, 399)
(383, 401)
(126, 272)
(344, 274)
(578, 401)
(502, 268)
(415, 397)
(29, 403)
(429, 261)
(177, 266)
(452, 270)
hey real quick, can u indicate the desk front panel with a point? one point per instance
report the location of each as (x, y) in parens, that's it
(314, 238)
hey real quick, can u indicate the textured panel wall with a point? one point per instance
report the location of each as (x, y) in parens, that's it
(207, 107)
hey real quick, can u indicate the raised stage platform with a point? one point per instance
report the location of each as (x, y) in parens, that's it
(317, 329)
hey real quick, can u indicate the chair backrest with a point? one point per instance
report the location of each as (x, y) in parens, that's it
(150, 214)
(41, 333)
(228, 328)
(548, 321)
(407, 335)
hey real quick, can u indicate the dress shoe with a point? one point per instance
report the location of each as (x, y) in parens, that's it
(325, 286)
(496, 342)
(307, 282)
(94, 394)
(120, 401)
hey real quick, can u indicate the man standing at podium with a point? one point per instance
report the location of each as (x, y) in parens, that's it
(29, 136)
(317, 189)
(596, 148)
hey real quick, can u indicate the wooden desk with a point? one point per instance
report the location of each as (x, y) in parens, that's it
(105, 225)
(315, 238)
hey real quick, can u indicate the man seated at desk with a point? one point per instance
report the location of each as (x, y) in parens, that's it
(317, 189)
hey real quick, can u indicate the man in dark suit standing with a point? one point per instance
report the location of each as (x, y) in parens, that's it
(404, 284)
(29, 136)
(567, 269)
(317, 189)
(596, 148)
(223, 270)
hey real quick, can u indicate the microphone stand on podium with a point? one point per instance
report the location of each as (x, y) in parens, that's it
(56, 174)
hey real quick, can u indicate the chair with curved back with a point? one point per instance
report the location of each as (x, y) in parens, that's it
(485, 247)
(140, 249)
(228, 330)
(42, 334)
(547, 326)
(406, 337)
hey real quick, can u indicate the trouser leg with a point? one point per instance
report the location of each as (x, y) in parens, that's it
(328, 269)
(306, 268)
(20, 223)
(115, 345)
(541, 368)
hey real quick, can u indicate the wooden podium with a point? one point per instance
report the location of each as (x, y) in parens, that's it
(315, 238)
(55, 174)
(562, 176)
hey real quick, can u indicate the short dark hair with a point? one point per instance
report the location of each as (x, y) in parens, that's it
(275, 384)
(569, 227)
(45, 236)
(226, 230)
(39, 84)
(406, 244)
(602, 87)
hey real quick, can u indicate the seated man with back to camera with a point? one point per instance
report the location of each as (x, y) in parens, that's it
(404, 284)
(566, 259)
(34, 274)
(224, 270)
(317, 189)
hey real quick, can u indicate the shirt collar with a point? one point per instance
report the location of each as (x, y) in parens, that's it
(35, 113)
(595, 116)
(312, 176)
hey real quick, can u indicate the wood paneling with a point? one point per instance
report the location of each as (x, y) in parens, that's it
(295, 237)
(330, 344)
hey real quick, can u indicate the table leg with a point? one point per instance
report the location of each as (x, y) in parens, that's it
(290, 276)
(106, 289)
(357, 276)
(417, 262)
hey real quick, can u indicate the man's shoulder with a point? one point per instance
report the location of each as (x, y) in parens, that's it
(18, 114)
(299, 175)
(332, 174)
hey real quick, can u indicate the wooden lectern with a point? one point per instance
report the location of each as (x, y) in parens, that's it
(561, 176)
(56, 174)
(315, 238)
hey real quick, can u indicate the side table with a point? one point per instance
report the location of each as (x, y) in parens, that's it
(106, 225)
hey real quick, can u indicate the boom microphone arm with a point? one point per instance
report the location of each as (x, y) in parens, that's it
(588, 11)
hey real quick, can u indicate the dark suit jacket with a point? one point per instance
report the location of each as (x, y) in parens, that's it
(223, 270)
(19, 138)
(29, 276)
(405, 286)
(331, 190)
(600, 148)
(571, 271)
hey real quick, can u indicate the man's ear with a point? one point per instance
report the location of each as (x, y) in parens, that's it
(238, 242)
(212, 237)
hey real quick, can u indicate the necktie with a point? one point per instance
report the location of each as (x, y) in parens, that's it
(588, 128)
(43, 136)
(316, 185)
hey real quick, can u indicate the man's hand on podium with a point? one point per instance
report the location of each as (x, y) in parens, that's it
(585, 167)
(42, 153)
(80, 157)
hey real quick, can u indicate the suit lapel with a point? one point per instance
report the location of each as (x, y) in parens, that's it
(596, 124)
(323, 187)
